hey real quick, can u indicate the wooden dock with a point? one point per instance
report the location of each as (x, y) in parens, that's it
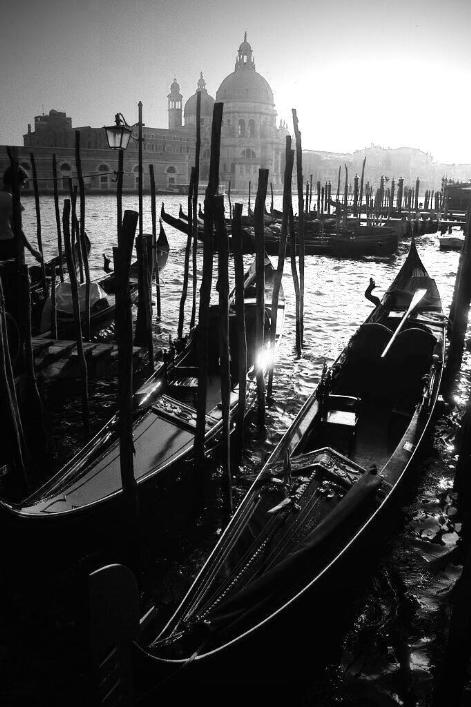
(57, 359)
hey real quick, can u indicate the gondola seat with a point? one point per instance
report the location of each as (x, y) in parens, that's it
(362, 369)
(407, 362)
(339, 421)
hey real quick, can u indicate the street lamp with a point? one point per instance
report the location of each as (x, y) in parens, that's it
(119, 134)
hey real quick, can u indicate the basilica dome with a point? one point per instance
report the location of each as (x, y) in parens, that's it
(245, 84)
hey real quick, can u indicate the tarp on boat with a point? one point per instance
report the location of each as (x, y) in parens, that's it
(64, 301)
(300, 565)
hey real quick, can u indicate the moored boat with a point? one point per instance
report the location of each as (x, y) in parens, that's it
(102, 297)
(321, 498)
(451, 242)
(353, 241)
(164, 426)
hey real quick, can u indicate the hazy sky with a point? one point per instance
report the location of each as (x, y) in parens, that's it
(392, 72)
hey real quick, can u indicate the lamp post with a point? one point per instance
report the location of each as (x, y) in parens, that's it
(118, 136)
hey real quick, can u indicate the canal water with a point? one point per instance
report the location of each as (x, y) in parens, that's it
(389, 653)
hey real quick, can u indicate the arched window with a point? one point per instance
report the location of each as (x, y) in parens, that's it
(171, 170)
(251, 127)
(248, 154)
(241, 129)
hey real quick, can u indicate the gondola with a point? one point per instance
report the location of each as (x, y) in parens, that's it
(102, 297)
(164, 426)
(318, 504)
(331, 239)
(248, 241)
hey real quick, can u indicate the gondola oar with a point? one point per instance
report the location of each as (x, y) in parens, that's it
(418, 295)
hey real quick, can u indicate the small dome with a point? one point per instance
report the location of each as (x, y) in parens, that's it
(207, 101)
(175, 91)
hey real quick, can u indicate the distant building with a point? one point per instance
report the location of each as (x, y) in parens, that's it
(457, 195)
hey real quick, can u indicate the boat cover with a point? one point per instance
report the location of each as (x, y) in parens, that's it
(300, 565)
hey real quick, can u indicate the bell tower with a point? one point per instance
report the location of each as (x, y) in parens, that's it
(174, 106)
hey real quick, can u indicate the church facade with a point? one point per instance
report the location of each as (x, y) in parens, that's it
(250, 139)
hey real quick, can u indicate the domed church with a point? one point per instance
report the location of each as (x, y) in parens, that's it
(250, 137)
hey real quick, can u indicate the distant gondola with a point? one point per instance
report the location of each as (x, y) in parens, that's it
(180, 224)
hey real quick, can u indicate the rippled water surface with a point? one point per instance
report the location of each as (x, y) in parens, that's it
(405, 598)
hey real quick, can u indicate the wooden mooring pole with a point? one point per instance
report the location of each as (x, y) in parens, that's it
(38, 221)
(143, 328)
(294, 273)
(224, 355)
(458, 318)
(259, 228)
(241, 330)
(195, 207)
(345, 199)
(58, 217)
(76, 310)
(355, 194)
(122, 263)
(74, 241)
(400, 192)
(301, 247)
(82, 235)
(362, 179)
(205, 294)
(186, 265)
(287, 186)
(155, 262)
(33, 415)
(229, 198)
